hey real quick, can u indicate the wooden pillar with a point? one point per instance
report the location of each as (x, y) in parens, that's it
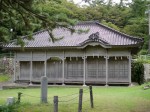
(106, 59)
(129, 58)
(45, 64)
(45, 68)
(80, 100)
(19, 72)
(84, 70)
(63, 68)
(31, 69)
(14, 67)
(63, 71)
(31, 64)
(55, 104)
(97, 69)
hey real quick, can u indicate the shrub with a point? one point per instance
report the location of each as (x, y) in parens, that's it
(8, 108)
(138, 72)
(143, 52)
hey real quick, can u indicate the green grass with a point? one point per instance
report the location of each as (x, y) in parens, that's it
(4, 78)
(106, 99)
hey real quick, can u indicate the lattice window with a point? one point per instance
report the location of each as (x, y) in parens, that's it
(74, 68)
(54, 69)
(96, 67)
(101, 68)
(118, 69)
(38, 69)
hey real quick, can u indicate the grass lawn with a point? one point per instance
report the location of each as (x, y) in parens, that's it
(4, 78)
(106, 99)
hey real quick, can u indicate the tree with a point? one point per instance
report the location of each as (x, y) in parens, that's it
(109, 3)
(138, 8)
(22, 17)
(94, 3)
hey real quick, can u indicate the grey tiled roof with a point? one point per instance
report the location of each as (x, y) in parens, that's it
(91, 32)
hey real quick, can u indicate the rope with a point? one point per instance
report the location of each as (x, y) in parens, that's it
(124, 92)
(69, 95)
(30, 95)
(4, 97)
(84, 91)
(69, 99)
(86, 100)
(50, 97)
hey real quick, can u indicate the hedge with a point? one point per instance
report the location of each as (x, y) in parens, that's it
(137, 72)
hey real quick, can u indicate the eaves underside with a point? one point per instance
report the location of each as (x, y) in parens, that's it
(70, 47)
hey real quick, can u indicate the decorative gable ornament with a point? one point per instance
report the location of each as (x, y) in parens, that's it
(94, 36)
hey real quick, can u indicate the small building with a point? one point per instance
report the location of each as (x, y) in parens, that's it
(93, 54)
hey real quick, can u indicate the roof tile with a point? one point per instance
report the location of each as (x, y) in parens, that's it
(106, 34)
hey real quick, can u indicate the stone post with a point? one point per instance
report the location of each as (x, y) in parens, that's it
(10, 100)
(44, 83)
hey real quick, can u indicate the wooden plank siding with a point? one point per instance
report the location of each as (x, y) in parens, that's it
(38, 70)
(24, 70)
(118, 70)
(96, 70)
(74, 69)
(54, 70)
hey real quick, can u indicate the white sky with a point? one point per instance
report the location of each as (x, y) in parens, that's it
(116, 1)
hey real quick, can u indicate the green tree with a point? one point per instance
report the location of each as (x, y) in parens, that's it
(22, 17)
(138, 8)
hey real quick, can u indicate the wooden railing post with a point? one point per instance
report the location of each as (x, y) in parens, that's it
(80, 100)
(91, 97)
(55, 103)
(19, 97)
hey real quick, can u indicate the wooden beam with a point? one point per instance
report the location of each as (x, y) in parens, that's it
(19, 70)
(63, 71)
(45, 64)
(129, 58)
(106, 60)
(97, 68)
(14, 66)
(63, 68)
(31, 69)
(84, 70)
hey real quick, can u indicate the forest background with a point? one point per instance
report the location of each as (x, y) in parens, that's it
(23, 17)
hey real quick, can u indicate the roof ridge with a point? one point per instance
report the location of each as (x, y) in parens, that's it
(85, 22)
(35, 33)
(121, 33)
(97, 22)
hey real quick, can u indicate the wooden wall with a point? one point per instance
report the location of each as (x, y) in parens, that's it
(24, 70)
(118, 68)
(74, 69)
(96, 69)
(54, 70)
(38, 70)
